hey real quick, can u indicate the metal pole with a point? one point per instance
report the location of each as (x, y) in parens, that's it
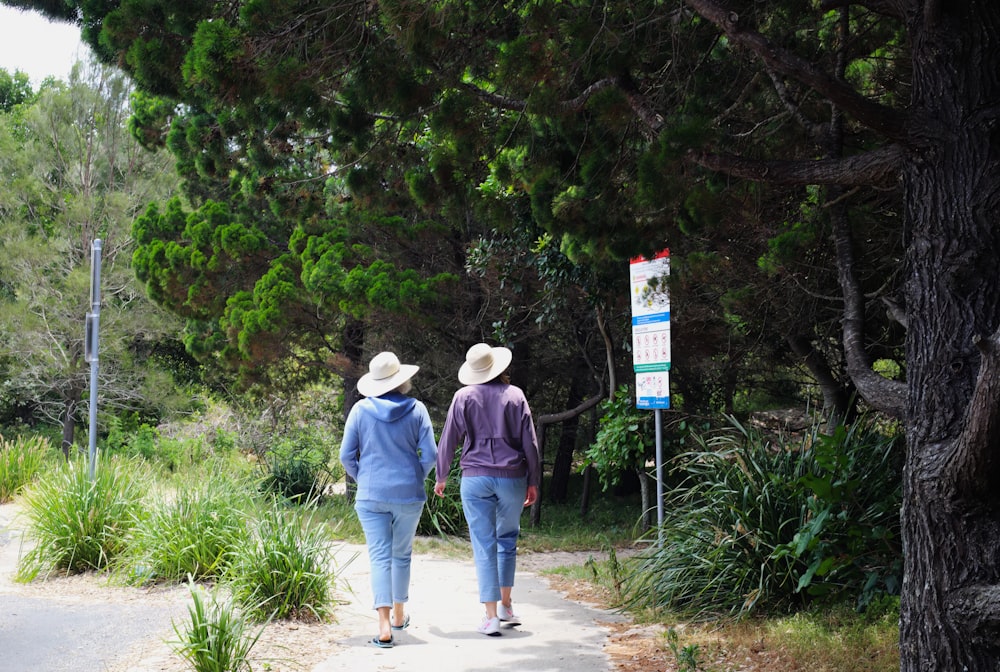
(92, 336)
(659, 473)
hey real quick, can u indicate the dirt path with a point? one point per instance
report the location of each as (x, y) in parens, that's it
(82, 623)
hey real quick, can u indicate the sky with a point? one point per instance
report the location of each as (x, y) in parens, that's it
(38, 47)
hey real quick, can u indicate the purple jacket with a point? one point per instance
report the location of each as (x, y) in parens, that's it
(499, 437)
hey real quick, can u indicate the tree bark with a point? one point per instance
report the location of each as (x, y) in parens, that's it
(951, 506)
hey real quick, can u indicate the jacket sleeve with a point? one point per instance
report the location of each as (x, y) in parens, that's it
(453, 432)
(350, 445)
(529, 444)
(425, 441)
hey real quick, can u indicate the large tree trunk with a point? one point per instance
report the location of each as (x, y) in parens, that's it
(950, 614)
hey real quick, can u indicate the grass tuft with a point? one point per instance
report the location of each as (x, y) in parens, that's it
(282, 569)
(217, 636)
(78, 524)
(22, 460)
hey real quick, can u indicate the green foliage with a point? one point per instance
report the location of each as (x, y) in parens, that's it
(887, 368)
(688, 657)
(78, 524)
(623, 441)
(756, 525)
(850, 537)
(22, 460)
(444, 516)
(282, 570)
(194, 532)
(15, 89)
(127, 436)
(297, 466)
(217, 636)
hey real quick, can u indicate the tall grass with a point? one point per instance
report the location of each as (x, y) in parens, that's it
(282, 570)
(193, 531)
(21, 461)
(443, 516)
(758, 525)
(217, 636)
(78, 524)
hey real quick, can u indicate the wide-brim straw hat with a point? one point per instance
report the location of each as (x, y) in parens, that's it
(483, 364)
(385, 374)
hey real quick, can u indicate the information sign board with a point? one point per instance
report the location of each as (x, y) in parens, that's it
(651, 330)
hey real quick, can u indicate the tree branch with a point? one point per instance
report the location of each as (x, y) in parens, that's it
(875, 167)
(888, 396)
(883, 7)
(884, 120)
(976, 462)
(813, 129)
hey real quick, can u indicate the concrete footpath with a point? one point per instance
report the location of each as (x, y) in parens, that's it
(556, 634)
(83, 624)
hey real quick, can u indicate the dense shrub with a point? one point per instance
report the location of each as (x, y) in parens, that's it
(757, 525)
(624, 439)
(298, 466)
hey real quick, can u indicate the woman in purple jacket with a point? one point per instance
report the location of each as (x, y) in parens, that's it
(500, 468)
(388, 449)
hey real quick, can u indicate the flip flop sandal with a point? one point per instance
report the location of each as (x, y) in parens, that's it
(381, 643)
(405, 625)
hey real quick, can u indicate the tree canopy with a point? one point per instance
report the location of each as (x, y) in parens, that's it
(620, 128)
(73, 174)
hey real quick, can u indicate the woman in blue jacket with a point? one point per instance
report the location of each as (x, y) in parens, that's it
(388, 449)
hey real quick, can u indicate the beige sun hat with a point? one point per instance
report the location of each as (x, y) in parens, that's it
(385, 374)
(483, 364)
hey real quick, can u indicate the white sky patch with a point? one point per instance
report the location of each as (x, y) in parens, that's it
(38, 47)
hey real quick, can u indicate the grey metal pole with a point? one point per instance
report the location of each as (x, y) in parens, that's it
(659, 474)
(94, 321)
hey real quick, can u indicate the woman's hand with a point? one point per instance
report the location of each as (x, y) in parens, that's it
(530, 498)
(439, 488)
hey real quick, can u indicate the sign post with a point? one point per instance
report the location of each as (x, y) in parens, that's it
(651, 348)
(91, 344)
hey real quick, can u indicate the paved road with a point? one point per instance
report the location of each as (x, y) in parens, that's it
(108, 628)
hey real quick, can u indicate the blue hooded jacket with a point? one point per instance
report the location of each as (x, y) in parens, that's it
(388, 448)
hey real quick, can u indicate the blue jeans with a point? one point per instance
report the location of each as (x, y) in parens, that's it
(493, 510)
(389, 531)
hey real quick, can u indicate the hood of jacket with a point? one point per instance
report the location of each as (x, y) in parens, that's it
(390, 407)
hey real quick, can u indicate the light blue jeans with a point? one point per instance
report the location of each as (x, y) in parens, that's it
(389, 531)
(493, 510)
